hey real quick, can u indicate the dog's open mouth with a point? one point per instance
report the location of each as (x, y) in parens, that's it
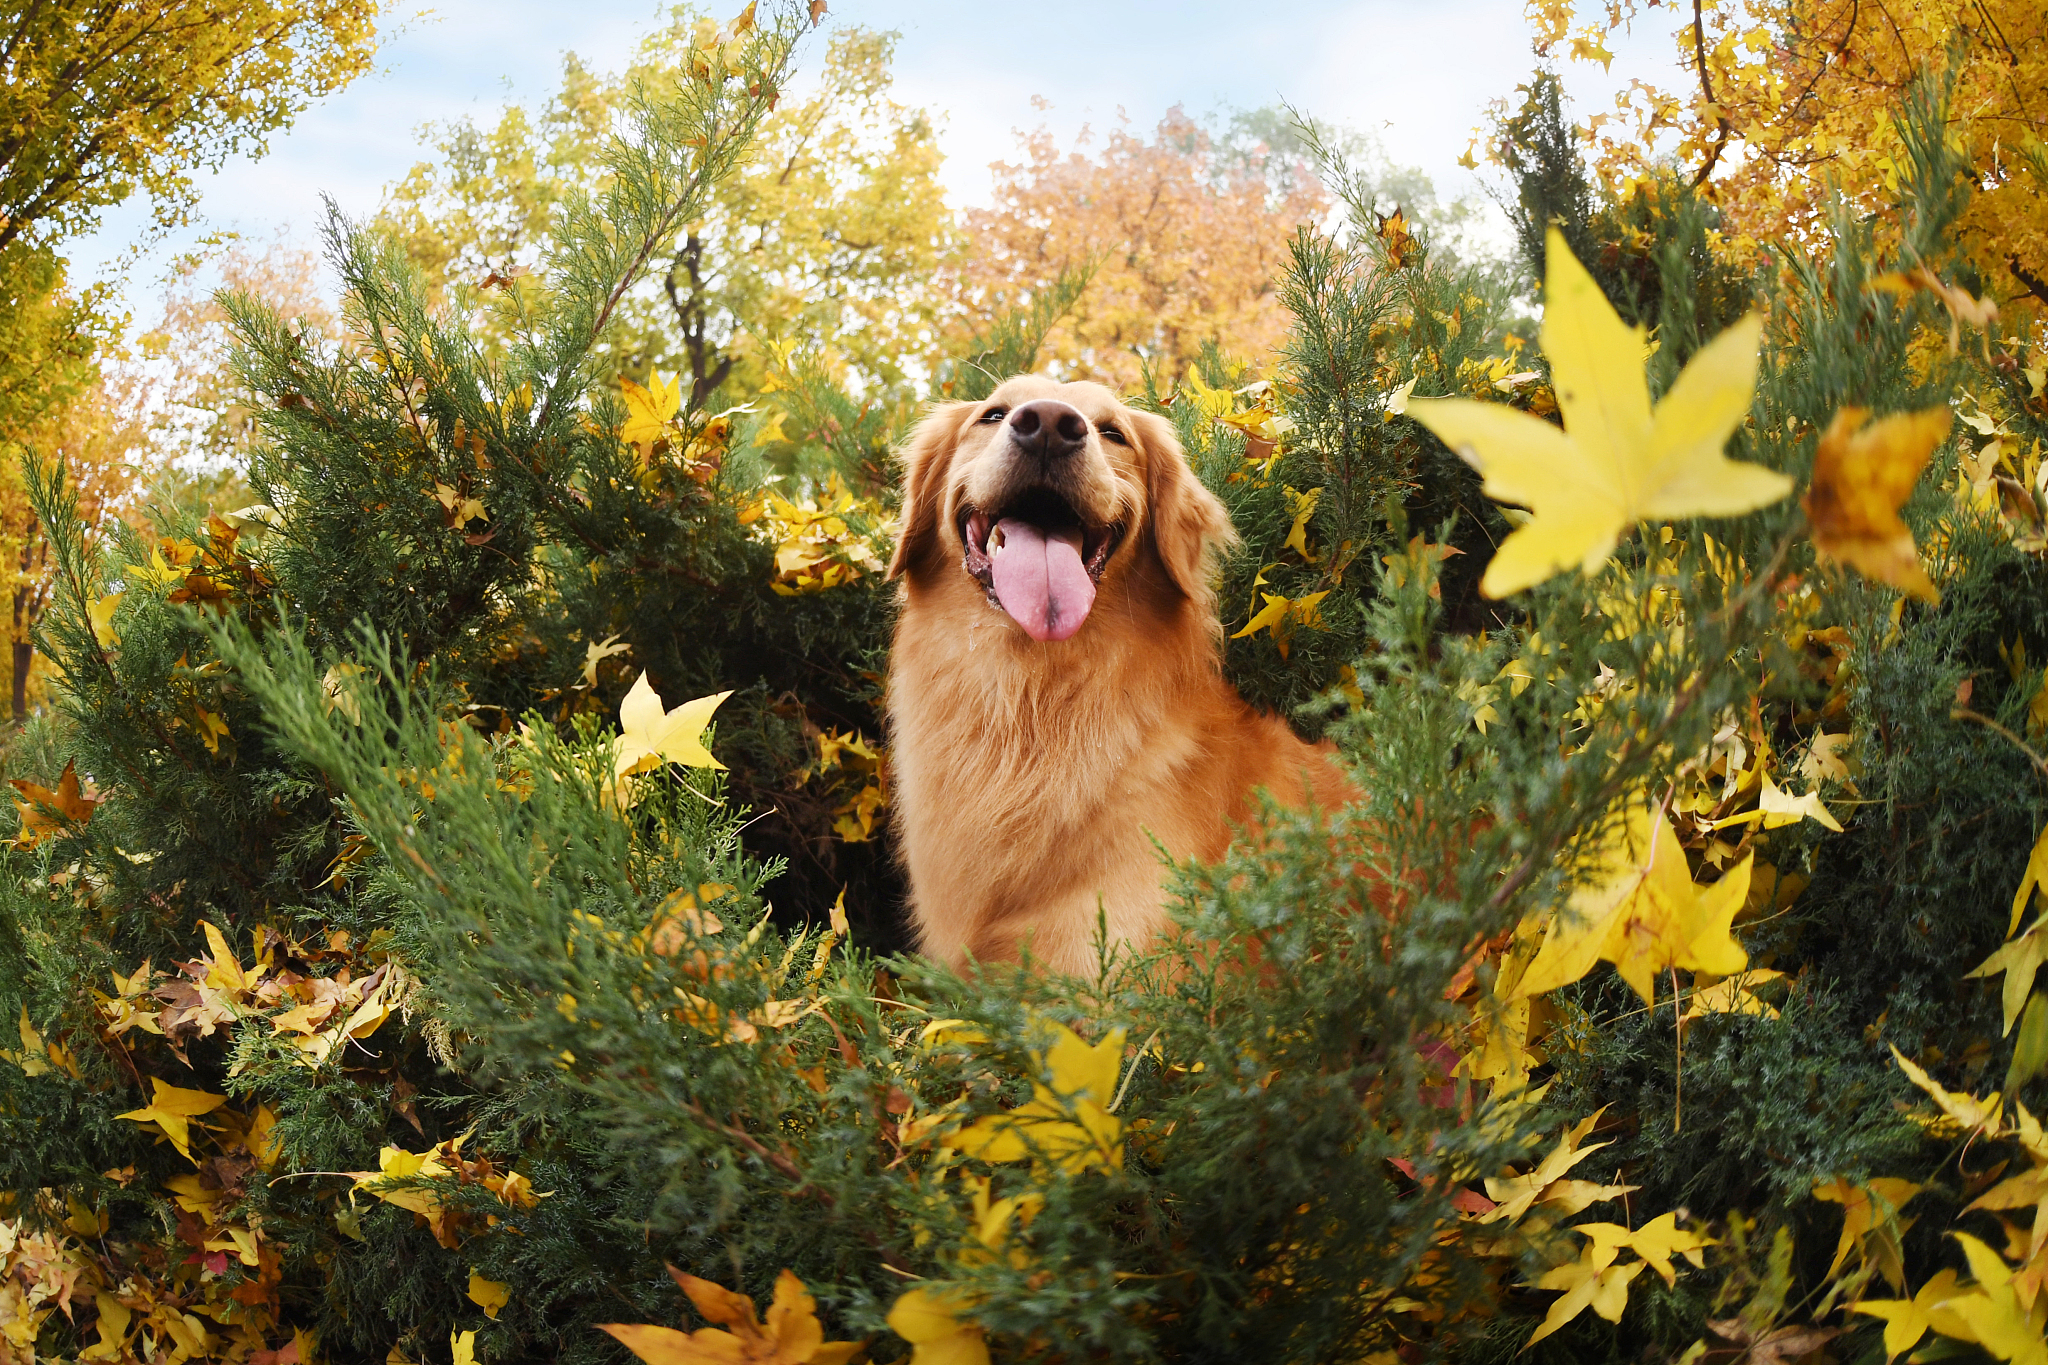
(1038, 560)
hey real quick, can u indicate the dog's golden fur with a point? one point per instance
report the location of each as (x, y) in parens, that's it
(1032, 776)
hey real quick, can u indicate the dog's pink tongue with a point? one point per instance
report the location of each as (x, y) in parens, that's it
(1040, 581)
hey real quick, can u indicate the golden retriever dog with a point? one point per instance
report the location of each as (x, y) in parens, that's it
(1056, 701)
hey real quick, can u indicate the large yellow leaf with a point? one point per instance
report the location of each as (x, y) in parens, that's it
(1604, 1291)
(650, 736)
(489, 1295)
(1907, 1320)
(1641, 910)
(173, 1110)
(1967, 1110)
(1618, 460)
(2036, 876)
(648, 410)
(1067, 1120)
(930, 1320)
(792, 1335)
(2019, 959)
(1861, 476)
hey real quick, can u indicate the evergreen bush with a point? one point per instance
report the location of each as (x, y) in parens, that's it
(374, 1006)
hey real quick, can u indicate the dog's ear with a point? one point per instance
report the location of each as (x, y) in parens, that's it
(1189, 523)
(925, 460)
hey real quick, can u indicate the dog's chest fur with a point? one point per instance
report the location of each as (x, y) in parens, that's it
(1028, 776)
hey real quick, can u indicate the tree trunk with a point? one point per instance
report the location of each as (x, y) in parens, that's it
(24, 656)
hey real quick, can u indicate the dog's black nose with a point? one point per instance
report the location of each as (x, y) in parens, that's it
(1048, 428)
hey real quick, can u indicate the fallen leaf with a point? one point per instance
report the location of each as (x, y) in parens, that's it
(1908, 1320)
(489, 1295)
(649, 410)
(1861, 476)
(2020, 959)
(791, 1336)
(2036, 876)
(1777, 1346)
(930, 1318)
(1641, 910)
(102, 612)
(172, 1110)
(47, 813)
(650, 736)
(1970, 1112)
(593, 655)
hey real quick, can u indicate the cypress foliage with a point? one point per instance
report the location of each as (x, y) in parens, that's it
(367, 1003)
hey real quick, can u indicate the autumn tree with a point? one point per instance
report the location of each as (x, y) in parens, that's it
(829, 236)
(1187, 239)
(104, 100)
(1792, 103)
(97, 437)
(201, 414)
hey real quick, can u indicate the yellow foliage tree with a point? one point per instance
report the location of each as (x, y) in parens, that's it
(199, 414)
(99, 435)
(1188, 245)
(1795, 101)
(830, 235)
(102, 100)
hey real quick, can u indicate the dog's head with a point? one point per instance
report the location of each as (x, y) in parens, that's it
(1044, 494)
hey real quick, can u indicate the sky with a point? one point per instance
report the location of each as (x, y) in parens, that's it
(1416, 74)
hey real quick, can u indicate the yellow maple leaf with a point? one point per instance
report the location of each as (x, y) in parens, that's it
(46, 813)
(1282, 616)
(38, 1056)
(1515, 1195)
(212, 727)
(1968, 1111)
(1731, 996)
(463, 1345)
(1304, 505)
(102, 613)
(1658, 1240)
(1212, 403)
(1642, 911)
(255, 521)
(593, 655)
(489, 1295)
(650, 736)
(1604, 1291)
(1775, 807)
(791, 1336)
(156, 572)
(2036, 877)
(1619, 460)
(648, 411)
(930, 1318)
(1867, 1208)
(2020, 959)
(461, 510)
(1861, 476)
(1067, 1121)
(172, 1110)
(1908, 1320)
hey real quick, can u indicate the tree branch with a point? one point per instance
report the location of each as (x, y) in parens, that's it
(1699, 47)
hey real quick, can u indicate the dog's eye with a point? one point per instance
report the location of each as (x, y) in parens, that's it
(1112, 434)
(994, 415)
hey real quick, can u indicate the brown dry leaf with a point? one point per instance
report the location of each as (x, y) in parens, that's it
(1861, 476)
(1778, 1346)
